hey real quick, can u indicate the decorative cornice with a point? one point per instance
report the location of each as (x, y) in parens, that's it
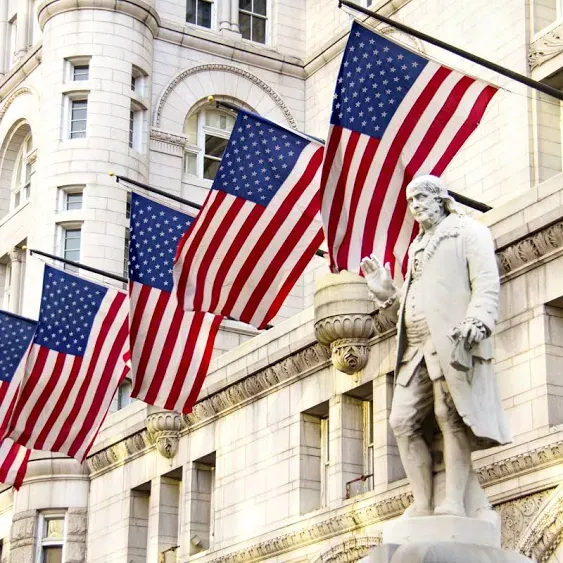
(531, 248)
(138, 9)
(314, 356)
(221, 68)
(542, 536)
(545, 48)
(351, 520)
(7, 102)
(349, 551)
(170, 138)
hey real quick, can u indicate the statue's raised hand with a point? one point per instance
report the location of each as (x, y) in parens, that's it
(378, 278)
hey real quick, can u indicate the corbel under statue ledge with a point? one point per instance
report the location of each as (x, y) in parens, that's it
(163, 429)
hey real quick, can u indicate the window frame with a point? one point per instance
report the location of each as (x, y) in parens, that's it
(71, 134)
(11, 42)
(22, 165)
(62, 250)
(252, 15)
(119, 405)
(212, 17)
(42, 541)
(325, 460)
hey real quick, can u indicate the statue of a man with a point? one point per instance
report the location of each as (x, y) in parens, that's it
(446, 312)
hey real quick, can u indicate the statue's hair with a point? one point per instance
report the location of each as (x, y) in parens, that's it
(435, 186)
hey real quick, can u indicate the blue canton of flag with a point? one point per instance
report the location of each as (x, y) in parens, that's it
(155, 232)
(375, 76)
(258, 159)
(15, 336)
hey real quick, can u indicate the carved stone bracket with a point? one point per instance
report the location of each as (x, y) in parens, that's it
(163, 429)
(545, 48)
(343, 320)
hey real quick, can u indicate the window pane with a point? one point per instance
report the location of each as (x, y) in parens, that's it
(244, 23)
(54, 528)
(210, 168)
(74, 201)
(245, 5)
(78, 113)
(204, 14)
(215, 146)
(133, 83)
(191, 10)
(52, 555)
(190, 164)
(260, 7)
(131, 127)
(259, 30)
(80, 72)
(124, 394)
(190, 128)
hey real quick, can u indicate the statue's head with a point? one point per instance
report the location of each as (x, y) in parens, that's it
(429, 200)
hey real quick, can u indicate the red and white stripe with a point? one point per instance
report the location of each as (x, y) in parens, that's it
(64, 398)
(240, 259)
(364, 208)
(171, 348)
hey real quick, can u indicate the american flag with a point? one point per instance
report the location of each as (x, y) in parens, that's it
(259, 226)
(171, 348)
(16, 334)
(77, 360)
(395, 115)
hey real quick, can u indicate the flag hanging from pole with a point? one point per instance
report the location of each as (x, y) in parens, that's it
(170, 348)
(395, 115)
(16, 334)
(259, 226)
(77, 360)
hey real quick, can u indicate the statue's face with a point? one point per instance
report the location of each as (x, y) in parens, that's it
(426, 208)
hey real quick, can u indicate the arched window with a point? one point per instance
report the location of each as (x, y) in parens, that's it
(21, 179)
(208, 131)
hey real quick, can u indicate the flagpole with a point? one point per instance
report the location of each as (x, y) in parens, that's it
(79, 265)
(549, 90)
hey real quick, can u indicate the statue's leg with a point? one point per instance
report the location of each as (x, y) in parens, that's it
(411, 404)
(457, 452)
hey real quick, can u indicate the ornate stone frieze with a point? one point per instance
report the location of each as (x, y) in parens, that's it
(325, 529)
(349, 551)
(308, 358)
(119, 452)
(516, 516)
(530, 248)
(170, 138)
(546, 48)
(163, 429)
(544, 533)
(221, 68)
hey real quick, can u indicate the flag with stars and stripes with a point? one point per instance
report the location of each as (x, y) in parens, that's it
(16, 334)
(77, 359)
(395, 115)
(259, 226)
(170, 348)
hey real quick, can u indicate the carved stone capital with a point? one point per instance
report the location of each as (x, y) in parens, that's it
(16, 254)
(163, 429)
(343, 320)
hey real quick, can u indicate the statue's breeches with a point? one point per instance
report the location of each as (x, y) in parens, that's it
(414, 402)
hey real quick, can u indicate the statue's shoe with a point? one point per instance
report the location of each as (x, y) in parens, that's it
(414, 511)
(450, 509)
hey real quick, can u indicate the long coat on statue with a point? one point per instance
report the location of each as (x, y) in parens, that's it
(459, 279)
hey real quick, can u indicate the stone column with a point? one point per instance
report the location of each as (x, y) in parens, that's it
(225, 16)
(22, 37)
(234, 16)
(15, 256)
(3, 37)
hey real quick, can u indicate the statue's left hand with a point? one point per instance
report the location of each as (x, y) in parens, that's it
(472, 331)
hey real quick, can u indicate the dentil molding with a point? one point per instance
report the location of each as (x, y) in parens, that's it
(221, 68)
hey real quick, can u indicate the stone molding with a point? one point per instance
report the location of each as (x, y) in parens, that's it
(221, 68)
(163, 428)
(351, 520)
(546, 47)
(530, 248)
(349, 551)
(542, 536)
(7, 102)
(170, 138)
(138, 9)
(314, 356)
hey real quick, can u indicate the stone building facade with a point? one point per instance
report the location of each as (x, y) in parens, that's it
(284, 458)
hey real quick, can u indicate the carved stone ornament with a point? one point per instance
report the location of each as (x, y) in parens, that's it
(7, 102)
(349, 551)
(119, 453)
(163, 429)
(171, 138)
(343, 319)
(545, 48)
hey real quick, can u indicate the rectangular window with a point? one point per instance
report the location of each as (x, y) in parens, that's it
(11, 41)
(126, 254)
(199, 12)
(135, 127)
(80, 72)
(133, 83)
(124, 394)
(325, 460)
(252, 20)
(131, 128)
(73, 201)
(71, 247)
(78, 113)
(128, 206)
(51, 538)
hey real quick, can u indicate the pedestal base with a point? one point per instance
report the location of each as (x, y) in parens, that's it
(442, 552)
(437, 529)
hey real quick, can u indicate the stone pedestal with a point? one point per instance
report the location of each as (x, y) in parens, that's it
(442, 539)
